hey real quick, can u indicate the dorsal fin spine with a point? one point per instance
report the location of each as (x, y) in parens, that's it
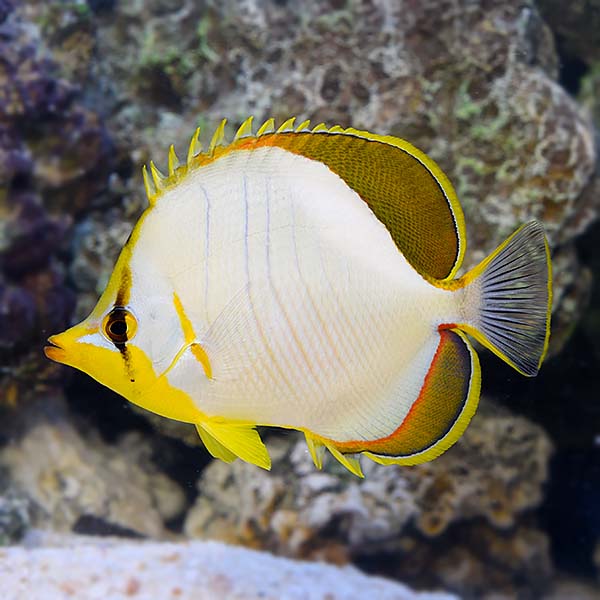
(267, 127)
(244, 130)
(287, 126)
(157, 177)
(195, 147)
(173, 160)
(218, 137)
(304, 126)
(149, 186)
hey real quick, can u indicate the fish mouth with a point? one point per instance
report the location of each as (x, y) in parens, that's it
(54, 351)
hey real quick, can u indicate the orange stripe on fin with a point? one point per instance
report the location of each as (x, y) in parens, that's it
(439, 416)
(447, 402)
(405, 189)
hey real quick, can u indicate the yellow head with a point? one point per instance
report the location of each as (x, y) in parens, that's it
(132, 338)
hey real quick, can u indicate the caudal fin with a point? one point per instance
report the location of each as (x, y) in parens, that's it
(510, 297)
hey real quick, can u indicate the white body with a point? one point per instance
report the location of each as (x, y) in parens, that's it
(309, 314)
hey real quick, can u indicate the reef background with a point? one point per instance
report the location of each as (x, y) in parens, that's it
(505, 96)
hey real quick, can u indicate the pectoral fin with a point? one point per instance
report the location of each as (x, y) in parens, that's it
(236, 439)
(216, 449)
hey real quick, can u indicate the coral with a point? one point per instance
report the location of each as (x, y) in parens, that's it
(54, 157)
(6, 6)
(96, 238)
(14, 518)
(495, 473)
(202, 570)
(483, 559)
(573, 589)
(74, 481)
(15, 512)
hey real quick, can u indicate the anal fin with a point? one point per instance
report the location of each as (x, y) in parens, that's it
(349, 461)
(238, 439)
(316, 449)
(215, 448)
(439, 416)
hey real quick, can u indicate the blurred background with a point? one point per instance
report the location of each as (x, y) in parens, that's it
(505, 96)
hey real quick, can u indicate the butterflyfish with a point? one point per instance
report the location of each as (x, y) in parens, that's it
(305, 278)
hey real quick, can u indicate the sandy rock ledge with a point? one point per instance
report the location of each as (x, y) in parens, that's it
(184, 571)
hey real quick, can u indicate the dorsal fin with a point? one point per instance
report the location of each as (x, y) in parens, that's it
(405, 189)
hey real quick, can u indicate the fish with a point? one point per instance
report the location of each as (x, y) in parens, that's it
(305, 278)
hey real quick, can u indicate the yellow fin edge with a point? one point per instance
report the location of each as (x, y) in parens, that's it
(455, 431)
(350, 461)
(316, 449)
(196, 158)
(317, 446)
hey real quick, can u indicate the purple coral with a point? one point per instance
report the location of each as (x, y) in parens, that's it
(17, 315)
(53, 153)
(6, 7)
(32, 236)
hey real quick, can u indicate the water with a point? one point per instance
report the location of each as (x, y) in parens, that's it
(502, 96)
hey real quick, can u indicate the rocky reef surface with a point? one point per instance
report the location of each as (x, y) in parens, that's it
(90, 90)
(470, 501)
(190, 571)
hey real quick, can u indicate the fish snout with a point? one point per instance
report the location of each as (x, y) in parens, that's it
(54, 350)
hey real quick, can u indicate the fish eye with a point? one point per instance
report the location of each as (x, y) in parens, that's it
(119, 325)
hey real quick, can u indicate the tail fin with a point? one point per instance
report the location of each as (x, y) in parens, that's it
(510, 294)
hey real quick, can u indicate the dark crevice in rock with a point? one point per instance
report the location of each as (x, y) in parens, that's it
(93, 525)
(570, 511)
(572, 68)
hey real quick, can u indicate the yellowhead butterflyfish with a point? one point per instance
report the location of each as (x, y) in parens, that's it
(304, 278)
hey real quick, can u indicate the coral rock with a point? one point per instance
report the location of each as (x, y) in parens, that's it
(473, 84)
(15, 511)
(198, 570)
(73, 480)
(494, 474)
(54, 154)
